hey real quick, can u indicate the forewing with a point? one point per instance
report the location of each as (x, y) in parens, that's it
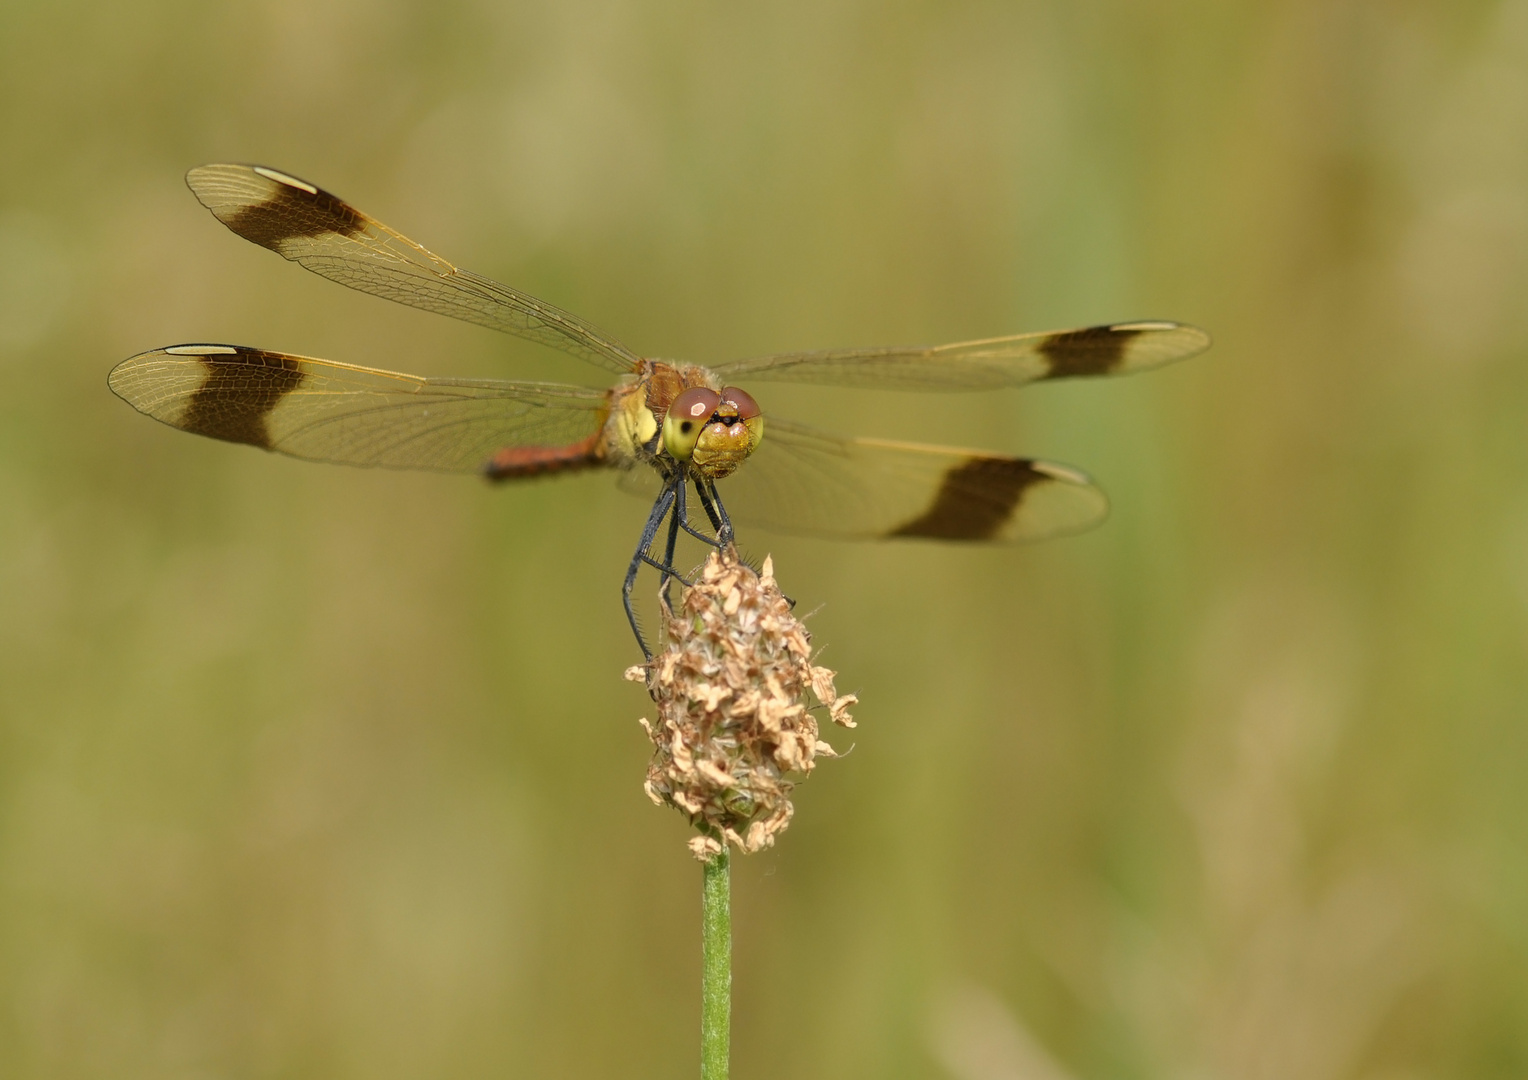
(309, 226)
(805, 481)
(983, 365)
(324, 411)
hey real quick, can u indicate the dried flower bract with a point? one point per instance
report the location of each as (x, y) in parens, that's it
(734, 734)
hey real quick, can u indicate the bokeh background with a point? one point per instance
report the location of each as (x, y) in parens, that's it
(315, 772)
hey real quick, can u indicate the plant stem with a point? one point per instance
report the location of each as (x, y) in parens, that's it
(716, 966)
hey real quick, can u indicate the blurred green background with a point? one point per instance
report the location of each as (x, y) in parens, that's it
(315, 772)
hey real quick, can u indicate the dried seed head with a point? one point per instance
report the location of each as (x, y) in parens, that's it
(733, 734)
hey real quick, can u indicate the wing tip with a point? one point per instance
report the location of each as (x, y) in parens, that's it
(117, 376)
(122, 371)
(244, 168)
(1195, 339)
(1087, 505)
(200, 177)
(123, 374)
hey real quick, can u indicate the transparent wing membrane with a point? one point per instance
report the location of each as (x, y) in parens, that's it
(805, 481)
(340, 413)
(321, 232)
(990, 364)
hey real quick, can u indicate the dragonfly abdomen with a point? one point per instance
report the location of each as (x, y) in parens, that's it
(515, 462)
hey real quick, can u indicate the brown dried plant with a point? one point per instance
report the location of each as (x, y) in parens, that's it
(734, 734)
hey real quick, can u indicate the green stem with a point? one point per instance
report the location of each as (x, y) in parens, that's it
(716, 967)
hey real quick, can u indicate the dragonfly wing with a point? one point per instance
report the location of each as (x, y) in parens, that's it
(810, 482)
(989, 364)
(324, 411)
(309, 226)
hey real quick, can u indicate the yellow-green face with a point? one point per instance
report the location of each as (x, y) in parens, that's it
(713, 431)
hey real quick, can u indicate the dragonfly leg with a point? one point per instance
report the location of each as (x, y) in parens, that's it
(677, 518)
(692, 530)
(666, 570)
(702, 537)
(712, 502)
(661, 508)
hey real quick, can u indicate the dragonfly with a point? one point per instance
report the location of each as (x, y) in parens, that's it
(663, 427)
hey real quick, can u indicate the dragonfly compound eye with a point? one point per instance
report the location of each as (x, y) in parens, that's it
(742, 401)
(736, 430)
(687, 417)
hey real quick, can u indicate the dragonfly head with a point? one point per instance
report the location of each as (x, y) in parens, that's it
(713, 431)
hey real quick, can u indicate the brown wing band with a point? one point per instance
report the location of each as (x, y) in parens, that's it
(238, 394)
(1097, 350)
(975, 500)
(291, 213)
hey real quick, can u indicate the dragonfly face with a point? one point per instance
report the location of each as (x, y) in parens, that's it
(712, 430)
(662, 427)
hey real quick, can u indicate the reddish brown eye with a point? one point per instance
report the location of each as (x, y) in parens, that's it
(688, 415)
(694, 405)
(747, 408)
